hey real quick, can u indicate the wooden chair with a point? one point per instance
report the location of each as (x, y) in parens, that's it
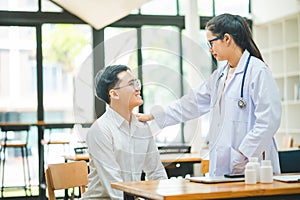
(287, 141)
(204, 166)
(66, 175)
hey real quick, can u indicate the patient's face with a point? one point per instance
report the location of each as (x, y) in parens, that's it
(128, 94)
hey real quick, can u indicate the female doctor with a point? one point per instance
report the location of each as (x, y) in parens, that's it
(242, 98)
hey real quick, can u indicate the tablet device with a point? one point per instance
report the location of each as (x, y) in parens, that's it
(287, 178)
(234, 175)
(214, 179)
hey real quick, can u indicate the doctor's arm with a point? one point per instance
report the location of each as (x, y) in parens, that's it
(267, 113)
(192, 105)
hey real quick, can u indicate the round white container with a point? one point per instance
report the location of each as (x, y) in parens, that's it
(256, 164)
(266, 172)
(250, 174)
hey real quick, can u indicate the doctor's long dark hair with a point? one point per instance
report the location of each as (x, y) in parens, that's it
(236, 26)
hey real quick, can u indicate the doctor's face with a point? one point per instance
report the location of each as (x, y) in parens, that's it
(215, 45)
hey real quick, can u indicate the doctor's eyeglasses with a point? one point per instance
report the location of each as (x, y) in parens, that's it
(209, 42)
(135, 84)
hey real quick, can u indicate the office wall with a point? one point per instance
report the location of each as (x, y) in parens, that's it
(267, 10)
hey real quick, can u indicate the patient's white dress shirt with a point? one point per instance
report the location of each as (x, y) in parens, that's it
(119, 152)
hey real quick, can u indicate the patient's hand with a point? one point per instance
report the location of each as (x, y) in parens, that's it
(144, 117)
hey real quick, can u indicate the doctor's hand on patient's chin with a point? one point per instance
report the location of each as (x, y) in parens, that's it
(238, 164)
(144, 117)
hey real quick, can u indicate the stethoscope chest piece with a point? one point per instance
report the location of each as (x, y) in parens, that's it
(242, 103)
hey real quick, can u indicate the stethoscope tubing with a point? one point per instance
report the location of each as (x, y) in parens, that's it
(241, 102)
(244, 75)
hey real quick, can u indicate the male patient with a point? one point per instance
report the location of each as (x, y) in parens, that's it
(120, 147)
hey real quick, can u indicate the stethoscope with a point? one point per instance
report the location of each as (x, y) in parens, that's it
(241, 103)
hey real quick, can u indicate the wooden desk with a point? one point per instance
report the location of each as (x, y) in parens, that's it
(165, 158)
(288, 149)
(180, 164)
(182, 157)
(176, 189)
(175, 164)
(77, 157)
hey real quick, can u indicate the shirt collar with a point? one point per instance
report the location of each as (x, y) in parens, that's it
(118, 119)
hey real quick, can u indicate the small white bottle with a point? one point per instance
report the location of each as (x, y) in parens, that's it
(266, 171)
(250, 174)
(254, 161)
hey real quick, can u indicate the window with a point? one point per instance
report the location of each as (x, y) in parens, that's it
(158, 7)
(17, 5)
(18, 96)
(18, 55)
(120, 47)
(65, 47)
(161, 72)
(240, 7)
(48, 6)
(205, 7)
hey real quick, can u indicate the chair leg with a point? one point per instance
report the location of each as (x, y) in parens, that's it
(24, 171)
(2, 169)
(46, 155)
(28, 185)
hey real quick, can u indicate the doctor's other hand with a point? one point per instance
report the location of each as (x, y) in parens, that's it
(239, 163)
(144, 117)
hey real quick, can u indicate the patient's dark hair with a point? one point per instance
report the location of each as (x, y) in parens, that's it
(106, 79)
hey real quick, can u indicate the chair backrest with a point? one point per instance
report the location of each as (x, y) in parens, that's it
(287, 141)
(66, 175)
(289, 161)
(204, 166)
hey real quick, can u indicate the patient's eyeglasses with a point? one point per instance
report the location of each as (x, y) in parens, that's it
(209, 42)
(136, 84)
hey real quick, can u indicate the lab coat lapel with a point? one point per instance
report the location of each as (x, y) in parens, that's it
(239, 69)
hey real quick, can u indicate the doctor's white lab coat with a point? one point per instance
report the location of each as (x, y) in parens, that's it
(250, 130)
